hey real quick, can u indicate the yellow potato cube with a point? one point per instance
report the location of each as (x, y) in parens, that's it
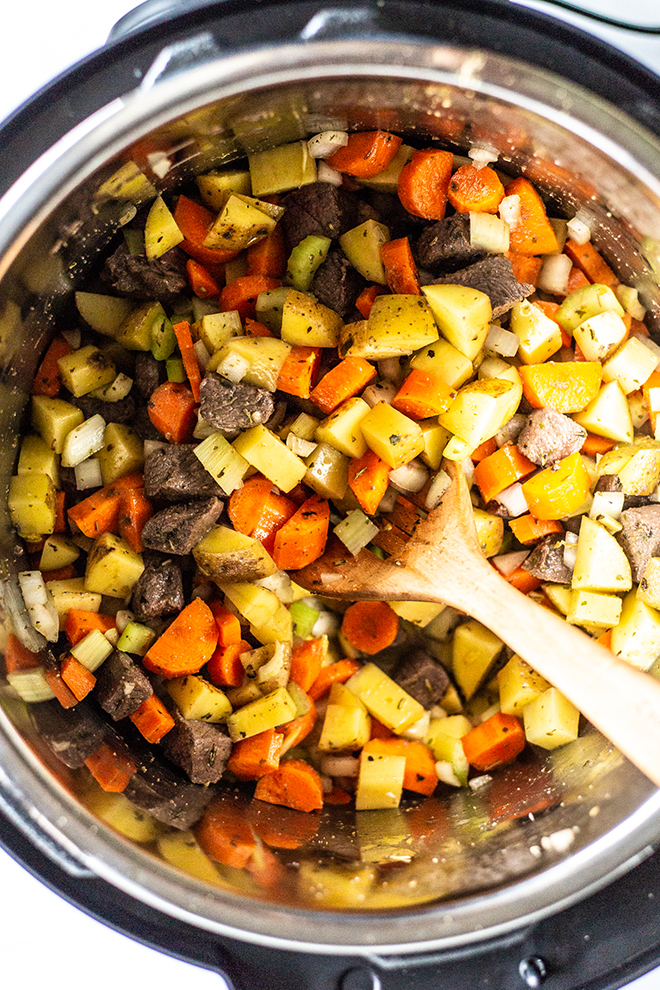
(608, 415)
(198, 699)
(266, 452)
(122, 452)
(398, 324)
(36, 456)
(362, 245)
(419, 613)
(53, 419)
(112, 567)
(384, 699)
(649, 587)
(307, 323)
(462, 314)
(631, 366)
(601, 564)
(86, 369)
(344, 728)
(443, 359)
(600, 335)
(327, 471)
(551, 720)
(161, 232)
(594, 609)
(435, 439)
(380, 781)
(481, 408)
(539, 336)
(32, 504)
(71, 593)
(264, 713)
(636, 637)
(215, 329)
(280, 169)
(474, 651)
(264, 357)
(58, 551)
(341, 429)
(518, 685)
(490, 531)
(395, 438)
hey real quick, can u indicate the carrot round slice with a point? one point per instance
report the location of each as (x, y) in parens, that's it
(370, 626)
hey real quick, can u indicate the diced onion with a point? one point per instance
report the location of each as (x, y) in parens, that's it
(418, 731)
(356, 531)
(151, 445)
(20, 621)
(651, 346)
(513, 500)
(324, 173)
(507, 563)
(88, 474)
(303, 448)
(446, 774)
(202, 429)
(510, 210)
(511, 430)
(570, 550)
(122, 618)
(83, 441)
(501, 341)
(379, 392)
(203, 356)
(410, 477)
(607, 503)
(327, 624)
(554, 273)
(39, 604)
(234, 367)
(280, 584)
(489, 233)
(437, 489)
(482, 156)
(388, 501)
(578, 231)
(340, 766)
(326, 143)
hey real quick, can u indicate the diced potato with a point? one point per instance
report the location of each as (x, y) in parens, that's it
(118, 812)
(380, 781)
(341, 429)
(480, 409)
(419, 613)
(129, 182)
(551, 720)
(637, 466)
(636, 637)
(594, 610)
(214, 186)
(435, 439)
(280, 169)
(37, 456)
(539, 336)
(490, 531)
(600, 335)
(395, 438)
(608, 415)
(215, 329)
(105, 314)
(32, 504)
(261, 714)
(586, 302)
(475, 649)
(181, 850)
(266, 452)
(112, 567)
(444, 740)
(631, 366)
(494, 367)
(362, 245)
(222, 462)
(270, 306)
(384, 699)
(307, 323)
(518, 685)
(71, 593)
(264, 356)
(86, 369)
(53, 419)
(398, 324)
(601, 564)
(239, 224)
(327, 472)
(344, 728)
(561, 596)
(122, 452)
(227, 555)
(136, 332)
(649, 587)
(161, 232)
(270, 620)
(58, 551)
(196, 698)
(443, 359)
(462, 314)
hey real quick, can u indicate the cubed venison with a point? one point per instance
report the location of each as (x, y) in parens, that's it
(122, 411)
(423, 677)
(640, 537)
(318, 208)
(200, 749)
(73, 734)
(609, 483)
(167, 795)
(159, 589)
(494, 276)
(233, 407)
(336, 283)
(547, 436)
(149, 374)
(546, 561)
(173, 473)
(178, 528)
(445, 245)
(121, 686)
(136, 276)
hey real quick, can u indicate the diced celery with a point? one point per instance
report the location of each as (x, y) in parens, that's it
(222, 462)
(31, 685)
(175, 370)
(92, 650)
(305, 259)
(163, 339)
(136, 638)
(304, 617)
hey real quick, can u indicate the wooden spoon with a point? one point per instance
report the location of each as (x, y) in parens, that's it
(442, 562)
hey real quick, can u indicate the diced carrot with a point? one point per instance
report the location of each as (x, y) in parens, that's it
(111, 766)
(79, 622)
(423, 394)
(596, 445)
(60, 513)
(526, 267)
(484, 450)
(224, 667)
(302, 538)
(335, 673)
(533, 234)
(98, 513)
(194, 220)
(591, 263)
(558, 491)
(346, 379)
(281, 828)
(368, 478)
(576, 280)
(496, 741)
(365, 300)
(306, 661)
(267, 870)
(424, 183)
(60, 574)
(475, 189)
(257, 755)
(255, 329)
(268, 256)
(652, 398)
(420, 773)
(241, 294)
(229, 628)
(337, 796)
(527, 529)
(18, 657)
(299, 371)
(566, 386)
(378, 730)
(190, 362)
(523, 580)
(605, 639)
(400, 268)
(77, 678)
(366, 154)
(201, 281)
(504, 467)
(48, 379)
(135, 510)
(62, 691)
(224, 834)
(171, 409)
(295, 785)
(298, 728)
(257, 511)
(152, 719)
(370, 626)
(187, 643)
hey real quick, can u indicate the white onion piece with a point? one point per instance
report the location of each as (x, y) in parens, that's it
(280, 584)
(437, 489)
(39, 604)
(482, 156)
(19, 618)
(578, 231)
(151, 445)
(303, 448)
(507, 563)
(324, 173)
(607, 504)
(570, 550)
(379, 392)
(554, 273)
(356, 531)
(116, 390)
(489, 233)
(446, 773)
(234, 367)
(651, 346)
(513, 499)
(340, 766)
(410, 477)
(327, 624)
(122, 618)
(203, 356)
(83, 441)
(510, 210)
(326, 143)
(88, 474)
(418, 731)
(501, 341)
(201, 432)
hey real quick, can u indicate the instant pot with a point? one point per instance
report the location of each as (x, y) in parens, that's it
(546, 876)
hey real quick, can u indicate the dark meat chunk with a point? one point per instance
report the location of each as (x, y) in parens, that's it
(143, 426)
(393, 213)
(200, 749)
(72, 734)
(609, 483)
(446, 245)
(166, 794)
(233, 407)
(494, 276)
(159, 589)
(640, 537)
(122, 411)
(548, 436)
(337, 284)
(138, 277)
(423, 677)
(149, 374)
(121, 686)
(179, 527)
(546, 561)
(278, 417)
(173, 473)
(319, 208)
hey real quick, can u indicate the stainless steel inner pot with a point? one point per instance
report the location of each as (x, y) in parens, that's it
(495, 866)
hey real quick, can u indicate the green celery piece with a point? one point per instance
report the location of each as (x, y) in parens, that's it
(175, 370)
(136, 638)
(304, 618)
(163, 338)
(305, 259)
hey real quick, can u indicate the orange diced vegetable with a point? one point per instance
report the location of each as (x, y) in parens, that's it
(368, 478)
(366, 154)
(48, 379)
(190, 362)
(229, 628)
(111, 766)
(534, 233)
(400, 268)
(60, 513)
(566, 386)
(484, 450)
(268, 256)
(365, 300)
(257, 755)
(18, 657)
(299, 370)
(241, 294)
(558, 491)
(370, 626)
(496, 741)
(295, 785)
(334, 673)
(79, 622)
(306, 662)
(346, 379)
(527, 529)
(225, 835)
(135, 510)
(589, 261)
(298, 728)
(424, 183)
(171, 409)
(194, 220)
(255, 329)
(224, 667)
(186, 645)
(597, 445)
(504, 467)
(475, 189)
(202, 283)
(420, 773)
(62, 691)
(258, 511)
(77, 678)
(526, 267)
(423, 394)
(302, 538)
(152, 719)
(523, 580)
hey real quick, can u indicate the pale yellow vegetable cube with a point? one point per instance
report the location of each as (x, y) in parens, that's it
(585, 303)
(594, 609)
(224, 554)
(419, 613)
(280, 169)
(481, 408)
(344, 728)
(270, 621)
(86, 369)
(37, 456)
(539, 336)
(112, 567)
(608, 415)
(341, 429)
(444, 740)
(490, 531)
(384, 699)
(458, 449)
(636, 637)
(380, 781)
(71, 593)
(58, 551)
(398, 324)
(462, 314)
(53, 419)
(128, 182)
(551, 720)
(631, 366)
(388, 179)
(32, 504)
(264, 356)
(561, 596)
(265, 451)
(118, 812)
(327, 471)
(264, 713)
(601, 564)
(105, 314)
(649, 587)
(474, 651)
(196, 698)
(215, 329)
(395, 438)
(214, 186)
(600, 335)
(161, 232)
(122, 452)
(435, 438)
(307, 323)
(239, 224)
(443, 359)
(518, 685)
(362, 245)
(637, 465)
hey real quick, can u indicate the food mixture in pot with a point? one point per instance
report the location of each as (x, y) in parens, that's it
(271, 366)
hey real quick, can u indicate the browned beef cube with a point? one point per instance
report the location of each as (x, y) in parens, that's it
(72, 734)
(121, 686)
(548, 435)
(319, 208)
(337, 284)
(149, 374)
(167, 795)
(446, 245)
(231, 407)
(159, 589)
(122, 411)
(179, 527)
(138, 277)
(546, 561)
(423, 677)
(200, 749)
(173, 473)
(640, 537)
(494, 276)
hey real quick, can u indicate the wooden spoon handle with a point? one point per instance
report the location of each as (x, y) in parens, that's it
(618, 699)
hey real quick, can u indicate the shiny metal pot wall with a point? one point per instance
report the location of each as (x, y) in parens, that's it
(201, 107)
